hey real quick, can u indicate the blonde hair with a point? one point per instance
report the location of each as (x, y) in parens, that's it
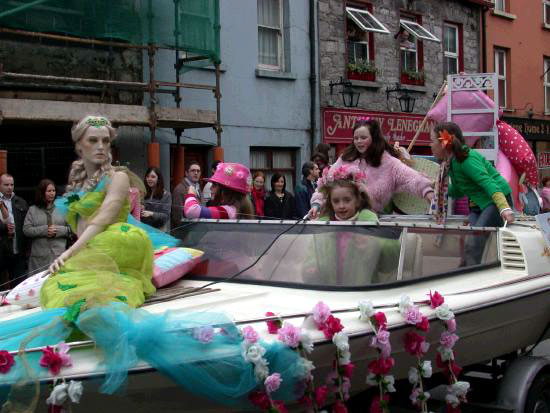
(78, 178)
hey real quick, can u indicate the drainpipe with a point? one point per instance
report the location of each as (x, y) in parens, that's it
(483, 40)
(312, 75)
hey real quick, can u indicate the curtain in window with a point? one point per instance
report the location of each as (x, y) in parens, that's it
(259, 160)
(269, 27)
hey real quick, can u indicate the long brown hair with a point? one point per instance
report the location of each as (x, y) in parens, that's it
(458, 147)
(226, 196)
(40, 193)
(159, 188)
(363, 198)
(373, 155)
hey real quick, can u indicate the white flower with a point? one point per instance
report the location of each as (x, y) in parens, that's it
(306, 341)
(58, 395)
(341, 341)
(404, 303)
(307, 367)
(254, 353)
(446, 353)
(427, 369)
(75, 391)
(427, 395)
(452, 400)
(371, 379)
(390, 382)
(413, 375)
(260, 370)
(344, 357)
(443, 312)
(460, 388)
(366, 308)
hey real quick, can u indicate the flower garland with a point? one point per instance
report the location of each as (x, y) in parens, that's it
(53, 358)
(417, 346)
(445, 359)
(379, 369)
(6, 362)
(63, 394)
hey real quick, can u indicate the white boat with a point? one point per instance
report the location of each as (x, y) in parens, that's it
(502, 305)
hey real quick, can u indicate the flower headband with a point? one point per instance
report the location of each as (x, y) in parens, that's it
(97, 122)
(445, 138)
(345, 172)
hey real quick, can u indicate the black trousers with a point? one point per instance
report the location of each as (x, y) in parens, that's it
(15, 266)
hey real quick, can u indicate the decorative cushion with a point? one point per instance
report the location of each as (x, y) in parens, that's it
(27, 293)
(173, 263)
(518, 151)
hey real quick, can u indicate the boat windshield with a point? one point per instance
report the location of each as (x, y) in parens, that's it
(332, 255)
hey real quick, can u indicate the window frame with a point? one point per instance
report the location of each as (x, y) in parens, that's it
(546, 13)
(499, 50)
(270, 169)
(546, 84)
(410, 26)
(280, 67)
(419, 49)
(498, 3)
(350, 10)
(459, 55)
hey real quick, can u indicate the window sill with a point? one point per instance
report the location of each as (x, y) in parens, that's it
(504, 15)
(367, 84)
(213, 68)
(414, 88)
(545, 26)
(508, 110)
(272, 74)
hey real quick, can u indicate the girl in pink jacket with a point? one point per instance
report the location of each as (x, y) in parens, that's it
(379, 161)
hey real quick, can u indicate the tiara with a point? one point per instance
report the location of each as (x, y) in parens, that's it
(97, 122)
(349, 173)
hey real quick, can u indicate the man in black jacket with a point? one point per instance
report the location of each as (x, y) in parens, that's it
(305, 189)
(13, 242)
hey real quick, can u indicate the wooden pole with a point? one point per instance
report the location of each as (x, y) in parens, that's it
(437, 99)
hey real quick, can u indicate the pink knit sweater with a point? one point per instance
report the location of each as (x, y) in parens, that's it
(391, 177)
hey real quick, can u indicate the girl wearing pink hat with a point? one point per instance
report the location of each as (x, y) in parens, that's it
(230, 186)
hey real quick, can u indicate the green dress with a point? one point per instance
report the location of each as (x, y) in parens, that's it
(115, 265)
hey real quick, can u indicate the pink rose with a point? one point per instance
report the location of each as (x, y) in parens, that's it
(347, 370)
(381, 320)
(203, 334)
(273, 326)
(436, 299)
(423, 325)
(279, 406)
(272, 382)
(415, 344)
(250, 335)
(448, 340)
(321, 393)
(321, 312)
(339, 407)
(6, 361)
(385, 350)
(383, 336)
(51, 360)
(413, 315)
(381, 366)
(332, 326)
(377, 404)
(289, 335)
(451, 325)
(260, 399)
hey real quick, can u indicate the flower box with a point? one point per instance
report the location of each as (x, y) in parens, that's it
(407, 79)
(365, 76)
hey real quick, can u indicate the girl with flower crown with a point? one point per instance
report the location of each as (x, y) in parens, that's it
(230, 187)
(472, 176)
(386, 174)
(348, 258)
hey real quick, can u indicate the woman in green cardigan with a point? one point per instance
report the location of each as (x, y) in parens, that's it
(473, 176)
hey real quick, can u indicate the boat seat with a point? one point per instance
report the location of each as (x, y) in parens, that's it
(412, 262)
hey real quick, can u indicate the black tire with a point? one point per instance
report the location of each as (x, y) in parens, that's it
(538, 397)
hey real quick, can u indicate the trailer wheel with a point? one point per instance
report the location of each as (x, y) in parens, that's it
(538, 397)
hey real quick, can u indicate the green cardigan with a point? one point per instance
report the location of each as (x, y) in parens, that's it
(364, 215)
(477, 179)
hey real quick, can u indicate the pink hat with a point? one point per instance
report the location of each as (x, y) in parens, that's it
(233, 176)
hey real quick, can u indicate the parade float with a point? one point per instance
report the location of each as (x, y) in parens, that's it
(256, 324)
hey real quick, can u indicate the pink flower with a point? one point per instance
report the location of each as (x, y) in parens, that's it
(339, 407)
(415, 344)
(423, 325)
(332, 326)
(448, 339)
(289, 335)
(321, 312)
(260, 399)
(51, 360)
(250, 335)
(279, 406)
(381, 366)
(383, 336)
(436, 299)
(347, 370)
(321, 393)
(451, 325)
(203, 334)
(272, 382)
(413, 315)
(381, 320)
(377, 404)
(6, 361)
(385, 350)
(272, 326)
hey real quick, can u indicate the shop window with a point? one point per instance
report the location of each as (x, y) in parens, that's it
(501, 69)
(546, 82)
(271, 160)
(453, 59)
(271, 35)
(546, 6)
(360, 28)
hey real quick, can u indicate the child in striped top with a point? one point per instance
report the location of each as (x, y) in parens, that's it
(230, 185)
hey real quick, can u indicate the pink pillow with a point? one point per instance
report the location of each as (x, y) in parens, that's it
(518, 151)
(173, 263)
(505, 168)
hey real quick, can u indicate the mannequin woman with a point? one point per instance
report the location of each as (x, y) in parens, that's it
(109, 251)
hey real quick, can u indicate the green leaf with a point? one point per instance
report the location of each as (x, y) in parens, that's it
(65, 287)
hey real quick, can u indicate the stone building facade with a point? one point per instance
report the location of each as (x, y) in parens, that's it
(401, 59)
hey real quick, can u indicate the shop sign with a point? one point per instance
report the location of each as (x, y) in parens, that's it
(544, 160)
(396, 127)
(530, 129)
